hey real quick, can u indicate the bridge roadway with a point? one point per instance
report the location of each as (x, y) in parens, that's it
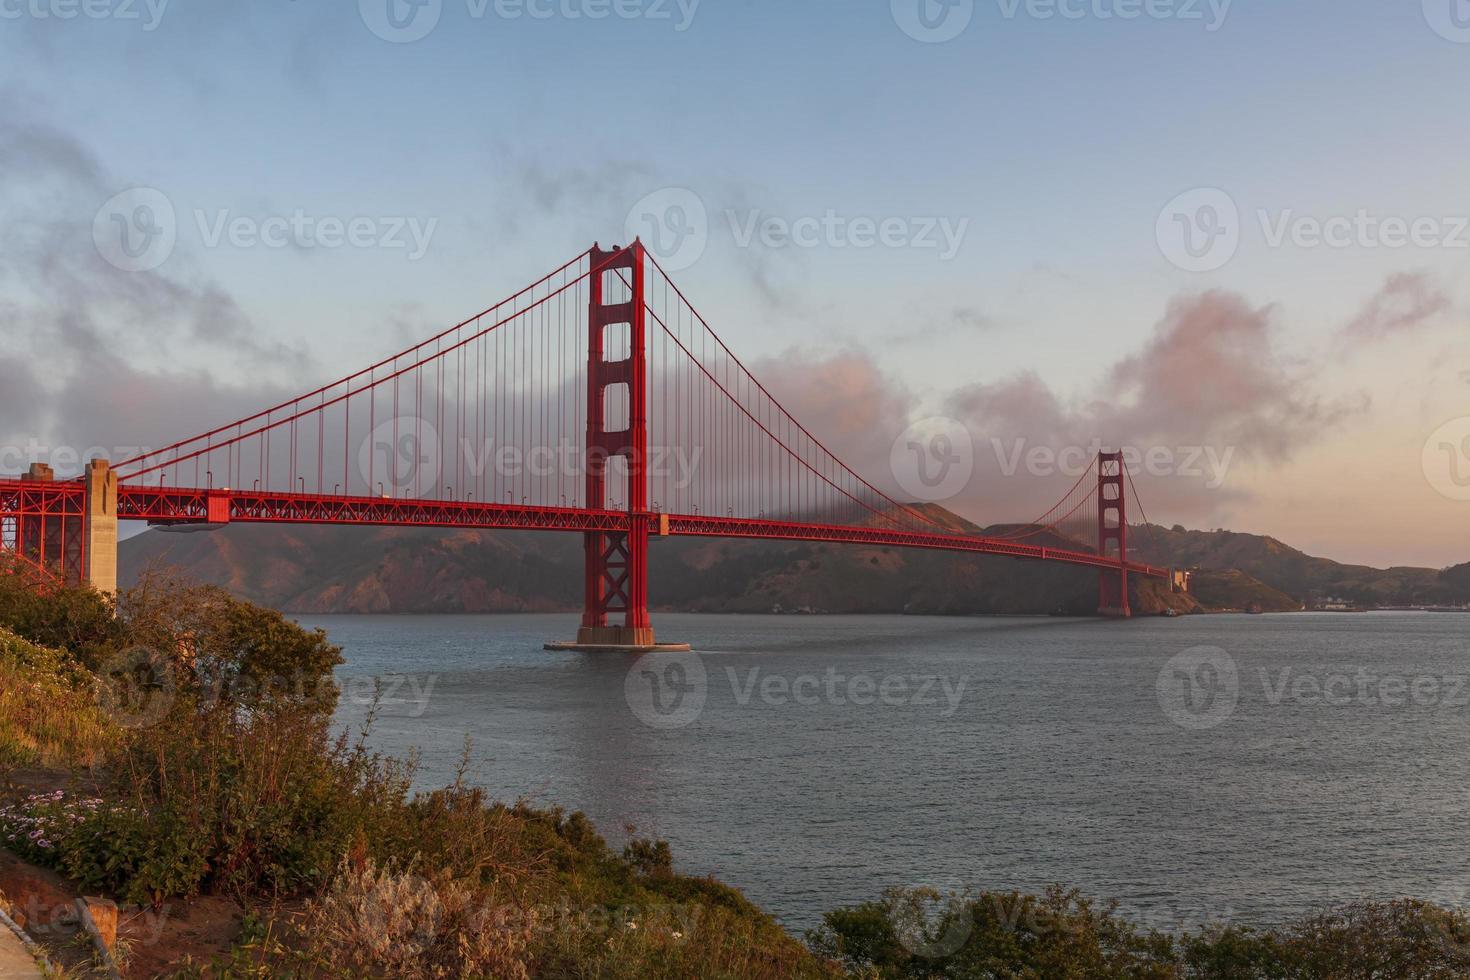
(170, 505)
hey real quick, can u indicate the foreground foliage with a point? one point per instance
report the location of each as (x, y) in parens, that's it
(223, 775)
(49, 714)
(919, 934)
(204, 726)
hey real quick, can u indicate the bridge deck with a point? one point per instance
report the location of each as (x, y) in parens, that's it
(186, 506)
(182, 505)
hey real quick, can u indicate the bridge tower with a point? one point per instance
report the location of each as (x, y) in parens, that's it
(1112, 529)
(616, 562)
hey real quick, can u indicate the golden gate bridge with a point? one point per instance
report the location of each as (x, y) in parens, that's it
(604, 362)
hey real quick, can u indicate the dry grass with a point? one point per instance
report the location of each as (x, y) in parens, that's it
(49, 714)
(385, 922)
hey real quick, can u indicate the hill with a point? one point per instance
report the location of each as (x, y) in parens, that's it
(324, 569)
(423, 570)
(1295, 573)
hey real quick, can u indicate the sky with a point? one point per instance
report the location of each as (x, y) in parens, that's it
(1232, 235)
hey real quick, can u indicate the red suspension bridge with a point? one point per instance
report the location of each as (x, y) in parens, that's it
(596, 400)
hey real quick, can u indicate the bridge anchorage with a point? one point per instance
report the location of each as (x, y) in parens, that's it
(596, 401)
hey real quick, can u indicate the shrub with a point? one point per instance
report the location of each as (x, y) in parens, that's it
(273, 799)
(664, 941)
(35, 827)
(48, 708)
(1406, 938)
(142, 856)
(389, 922)
(227, 775)
(75, 618)
(228, 653)
(923, 933)
(918, 933)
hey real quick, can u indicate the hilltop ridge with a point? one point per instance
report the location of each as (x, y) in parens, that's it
(420, 570)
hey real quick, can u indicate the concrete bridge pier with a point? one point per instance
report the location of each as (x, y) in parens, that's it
(100, 526)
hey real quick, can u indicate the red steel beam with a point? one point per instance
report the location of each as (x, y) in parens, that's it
(171, 505)
(737, 527)
(42, 522)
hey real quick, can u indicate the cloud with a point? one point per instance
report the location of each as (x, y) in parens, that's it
(592, 200)
(846, 402)
(1209, 389)
(1407, 302)
(956, 322)
(97, 357)
(1206, 392)
(1211, 375)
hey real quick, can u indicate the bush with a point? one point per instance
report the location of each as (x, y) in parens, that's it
(78, 619)
(386, 922)
(227, 653)
(48, 708)
(923, 933)
(919, 933)
(273, 799)
(224, 773)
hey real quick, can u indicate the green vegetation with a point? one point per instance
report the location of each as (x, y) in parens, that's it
(924, 935)
(1286, 571)
(201, 728)
(1234, 589)
(48, 707)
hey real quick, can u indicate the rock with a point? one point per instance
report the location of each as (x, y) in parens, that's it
(103, 915)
